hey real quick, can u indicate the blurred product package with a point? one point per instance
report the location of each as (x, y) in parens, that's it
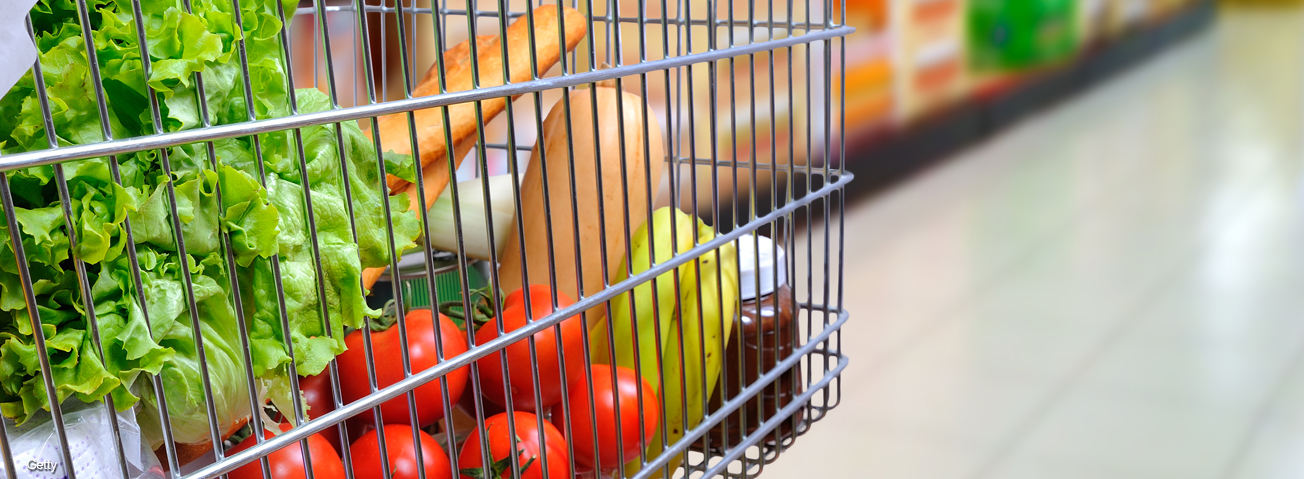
(1018, 35)
(929, 72)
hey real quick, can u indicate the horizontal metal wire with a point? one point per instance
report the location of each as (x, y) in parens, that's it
(773, 24)
(681, 160)
(775, 420)
(417, 379)
(216, 132)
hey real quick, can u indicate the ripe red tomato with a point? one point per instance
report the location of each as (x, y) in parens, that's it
(540, 297)
(518, 353)
(365, 453)
(527, 434)
(317, 396)
(388, 360)
(288, 463)
(604, 407)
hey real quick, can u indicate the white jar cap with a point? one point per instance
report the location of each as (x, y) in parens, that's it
(750, 267)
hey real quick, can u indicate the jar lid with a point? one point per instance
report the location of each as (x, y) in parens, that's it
(759, 258)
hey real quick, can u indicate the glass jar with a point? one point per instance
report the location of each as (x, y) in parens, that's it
(765, 334)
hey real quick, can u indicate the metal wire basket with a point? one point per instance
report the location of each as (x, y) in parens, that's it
(188, 233)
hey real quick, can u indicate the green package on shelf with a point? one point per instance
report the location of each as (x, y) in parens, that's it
(1008, 36)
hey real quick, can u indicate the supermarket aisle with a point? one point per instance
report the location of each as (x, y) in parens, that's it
(1113, 289)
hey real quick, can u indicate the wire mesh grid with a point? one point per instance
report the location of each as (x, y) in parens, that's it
(189, 233)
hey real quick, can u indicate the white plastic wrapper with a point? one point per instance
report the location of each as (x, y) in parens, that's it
(38, 455)
(17, 54)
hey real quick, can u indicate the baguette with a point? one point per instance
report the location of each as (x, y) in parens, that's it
(430, 126)
(458, 69)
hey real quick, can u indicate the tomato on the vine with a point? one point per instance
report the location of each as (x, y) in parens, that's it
(387, 356)
(287, 462)
(531, 453)
(617, 438)
(402, 455)
(518, 354)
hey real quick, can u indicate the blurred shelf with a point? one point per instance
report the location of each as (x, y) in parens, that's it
(881, 155)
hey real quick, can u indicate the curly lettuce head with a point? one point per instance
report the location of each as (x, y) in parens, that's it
(223, 204)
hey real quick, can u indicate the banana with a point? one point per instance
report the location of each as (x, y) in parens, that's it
(644, 298)
(697, 354)
(694, 324)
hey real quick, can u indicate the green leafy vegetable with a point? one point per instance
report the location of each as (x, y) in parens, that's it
(264, 217)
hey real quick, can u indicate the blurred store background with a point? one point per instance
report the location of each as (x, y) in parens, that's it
(913, 67)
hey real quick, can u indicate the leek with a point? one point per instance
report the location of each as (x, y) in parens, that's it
(442, 230)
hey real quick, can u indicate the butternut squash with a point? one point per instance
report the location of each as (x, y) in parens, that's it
(617, 208)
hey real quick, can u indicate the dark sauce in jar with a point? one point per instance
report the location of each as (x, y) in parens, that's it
(765, 335)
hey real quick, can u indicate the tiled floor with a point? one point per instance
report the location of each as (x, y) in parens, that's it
(1112, 289)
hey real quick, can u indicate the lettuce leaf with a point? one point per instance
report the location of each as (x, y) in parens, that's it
(263, 217)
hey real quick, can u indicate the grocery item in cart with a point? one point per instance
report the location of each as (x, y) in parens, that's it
(466, 119)
(601, 163)
(37, 453)
(766, 334)
(690, 318)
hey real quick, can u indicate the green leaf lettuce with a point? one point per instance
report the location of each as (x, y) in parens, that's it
(257, 210)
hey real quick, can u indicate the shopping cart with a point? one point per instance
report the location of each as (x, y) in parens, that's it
(191, 221)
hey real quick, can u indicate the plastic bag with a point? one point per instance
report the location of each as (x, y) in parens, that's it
(37, 453)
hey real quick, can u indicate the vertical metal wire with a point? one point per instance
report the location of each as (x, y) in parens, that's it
(790, 240)
(463, 267)
(601, 219)
(333, 367)
(486, 455)
(652, 191)
(451, 433)
(810, 208)
(716, 214)
(575, 216)
(736, 216)
(11, 472)
(25, 276)
(695, 208)
(549, 246)
(512, 167)
(672, 133)
(617, 56)
(404, 352)
(181, 251)
(827, 49)
(674, 226)
(781, 442)
(83, 283)
(842, 192)
(426, 252)
(15, 238)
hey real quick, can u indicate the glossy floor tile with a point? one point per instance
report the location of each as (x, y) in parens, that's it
(1113, 288)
